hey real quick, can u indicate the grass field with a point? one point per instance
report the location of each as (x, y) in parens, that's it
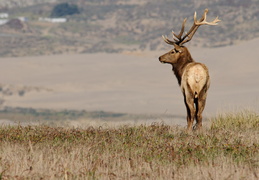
(227, 149)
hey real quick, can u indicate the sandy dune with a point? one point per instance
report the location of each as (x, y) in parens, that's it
(131, 83)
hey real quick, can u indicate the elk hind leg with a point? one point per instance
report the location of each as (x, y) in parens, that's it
(200, 105)
(189, 103)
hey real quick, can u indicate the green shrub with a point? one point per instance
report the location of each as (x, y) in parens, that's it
(64, 9)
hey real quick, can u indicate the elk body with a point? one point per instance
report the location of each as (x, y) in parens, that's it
(193, 77)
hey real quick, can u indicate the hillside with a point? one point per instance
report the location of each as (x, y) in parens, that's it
(119, 25)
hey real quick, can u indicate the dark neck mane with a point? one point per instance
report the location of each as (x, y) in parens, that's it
(179, 67)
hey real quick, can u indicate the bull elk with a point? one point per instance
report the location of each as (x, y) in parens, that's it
(193, 77)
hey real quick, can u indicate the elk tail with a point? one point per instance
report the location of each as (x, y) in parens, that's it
(195, 95)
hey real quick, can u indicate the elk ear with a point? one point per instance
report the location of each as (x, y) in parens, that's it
(178, 48)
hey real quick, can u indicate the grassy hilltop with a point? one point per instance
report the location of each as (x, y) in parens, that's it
(228, 149)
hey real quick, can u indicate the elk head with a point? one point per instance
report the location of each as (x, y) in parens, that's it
(172, 57)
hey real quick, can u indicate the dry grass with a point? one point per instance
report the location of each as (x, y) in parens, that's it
(228, 149)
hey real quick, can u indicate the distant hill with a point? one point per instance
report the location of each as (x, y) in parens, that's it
(119, 25)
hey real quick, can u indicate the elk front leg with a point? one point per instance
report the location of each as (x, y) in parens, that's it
(189, 103)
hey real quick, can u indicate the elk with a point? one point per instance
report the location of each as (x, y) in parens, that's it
(193, 77)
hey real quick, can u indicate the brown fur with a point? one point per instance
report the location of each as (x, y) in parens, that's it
(194, 85)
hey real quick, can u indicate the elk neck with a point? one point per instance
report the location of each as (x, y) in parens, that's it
(180, 66)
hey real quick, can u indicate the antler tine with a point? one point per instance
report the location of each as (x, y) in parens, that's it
(167, 40)
(204, 22)
(190, 35)
(179, 36)
(174, 37)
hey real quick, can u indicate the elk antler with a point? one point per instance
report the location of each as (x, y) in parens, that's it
(179, 40)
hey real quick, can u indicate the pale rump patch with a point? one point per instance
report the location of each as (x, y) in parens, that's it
(198, 76)
(194, 77)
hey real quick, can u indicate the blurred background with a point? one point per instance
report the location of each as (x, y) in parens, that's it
(40, 27)
(98, 59)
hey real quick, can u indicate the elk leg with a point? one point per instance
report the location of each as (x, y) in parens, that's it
(189, 103)
(200, 105)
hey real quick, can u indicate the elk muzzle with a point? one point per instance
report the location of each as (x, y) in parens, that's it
(161, 59)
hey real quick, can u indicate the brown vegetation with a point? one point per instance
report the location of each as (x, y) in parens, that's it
(228, 149)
